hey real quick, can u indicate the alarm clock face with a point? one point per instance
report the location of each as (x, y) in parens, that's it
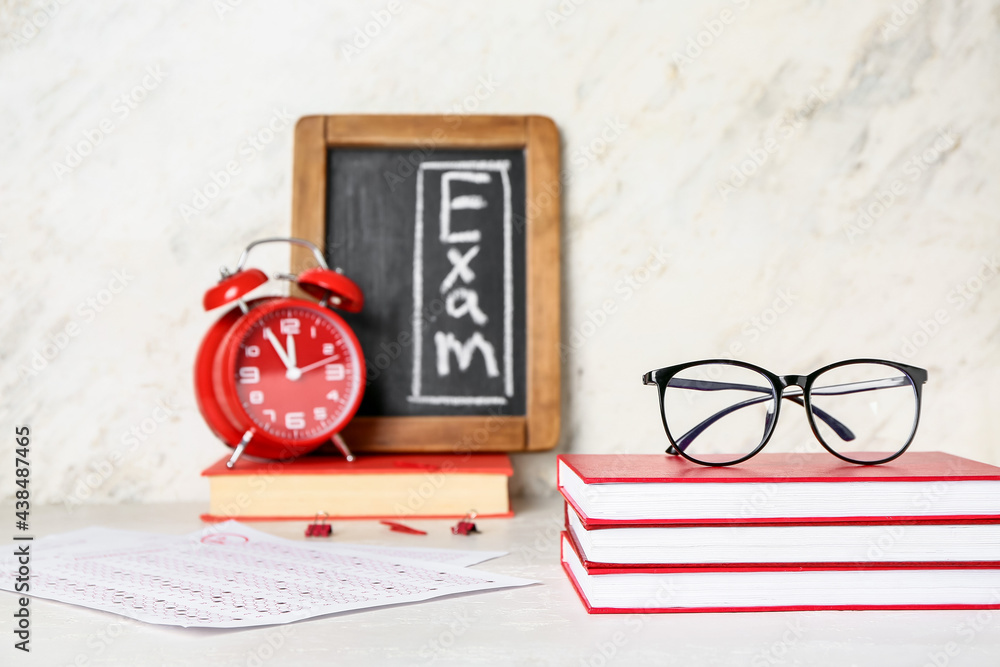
(292, 371)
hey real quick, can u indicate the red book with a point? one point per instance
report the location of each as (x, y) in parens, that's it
(659, 489)
(370, 487)
(660, 589)
(903, 544)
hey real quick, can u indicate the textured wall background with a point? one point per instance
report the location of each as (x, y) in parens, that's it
(789, 183)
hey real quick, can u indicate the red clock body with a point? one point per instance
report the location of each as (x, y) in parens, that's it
(290, 371)
(275, 377)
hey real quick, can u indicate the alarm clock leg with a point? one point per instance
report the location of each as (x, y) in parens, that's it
(247, 437)
(339, 443)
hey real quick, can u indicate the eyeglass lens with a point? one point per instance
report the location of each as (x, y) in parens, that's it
(876, 402)
(717, 412)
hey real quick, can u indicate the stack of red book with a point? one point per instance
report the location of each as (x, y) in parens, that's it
(781, 532)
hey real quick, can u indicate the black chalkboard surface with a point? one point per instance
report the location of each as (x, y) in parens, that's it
(450, 225)
(435, 240)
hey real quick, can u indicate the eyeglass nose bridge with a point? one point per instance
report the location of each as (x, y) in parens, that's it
(787, 381)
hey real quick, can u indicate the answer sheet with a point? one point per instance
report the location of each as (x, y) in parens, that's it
(232, 576)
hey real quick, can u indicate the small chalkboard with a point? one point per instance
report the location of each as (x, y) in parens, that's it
(450, 226)
(439, 253)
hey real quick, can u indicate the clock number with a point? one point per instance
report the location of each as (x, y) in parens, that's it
(333, 395)
(256, 397)
(272, 414)
(290, 326)
(327, 349)
(252, 351)
(295, 420)
(334, 372)
(312, 332)
(249, 375)
(319, 414)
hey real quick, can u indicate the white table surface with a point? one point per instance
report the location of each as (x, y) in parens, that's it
(544, 624)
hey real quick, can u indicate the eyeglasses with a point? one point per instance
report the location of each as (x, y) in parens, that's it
(719, 412)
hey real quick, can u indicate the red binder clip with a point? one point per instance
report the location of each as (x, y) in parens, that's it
(319, 527)
(465, 526)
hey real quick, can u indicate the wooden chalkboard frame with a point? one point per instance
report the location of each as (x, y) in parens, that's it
(539, 138)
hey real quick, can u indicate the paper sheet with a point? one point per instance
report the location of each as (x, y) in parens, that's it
(232, 576)
(460, 557)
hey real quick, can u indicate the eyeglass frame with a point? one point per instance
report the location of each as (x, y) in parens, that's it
(660, 377)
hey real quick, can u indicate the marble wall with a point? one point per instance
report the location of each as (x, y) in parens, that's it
(789, 183)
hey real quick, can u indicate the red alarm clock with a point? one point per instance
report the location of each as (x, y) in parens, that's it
(276, 377)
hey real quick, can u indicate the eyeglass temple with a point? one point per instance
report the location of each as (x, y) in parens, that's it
(839, 428)
(795, 395)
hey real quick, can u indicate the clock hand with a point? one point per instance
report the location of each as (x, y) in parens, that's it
(268, 334)
(290, 347)
(319, 363)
